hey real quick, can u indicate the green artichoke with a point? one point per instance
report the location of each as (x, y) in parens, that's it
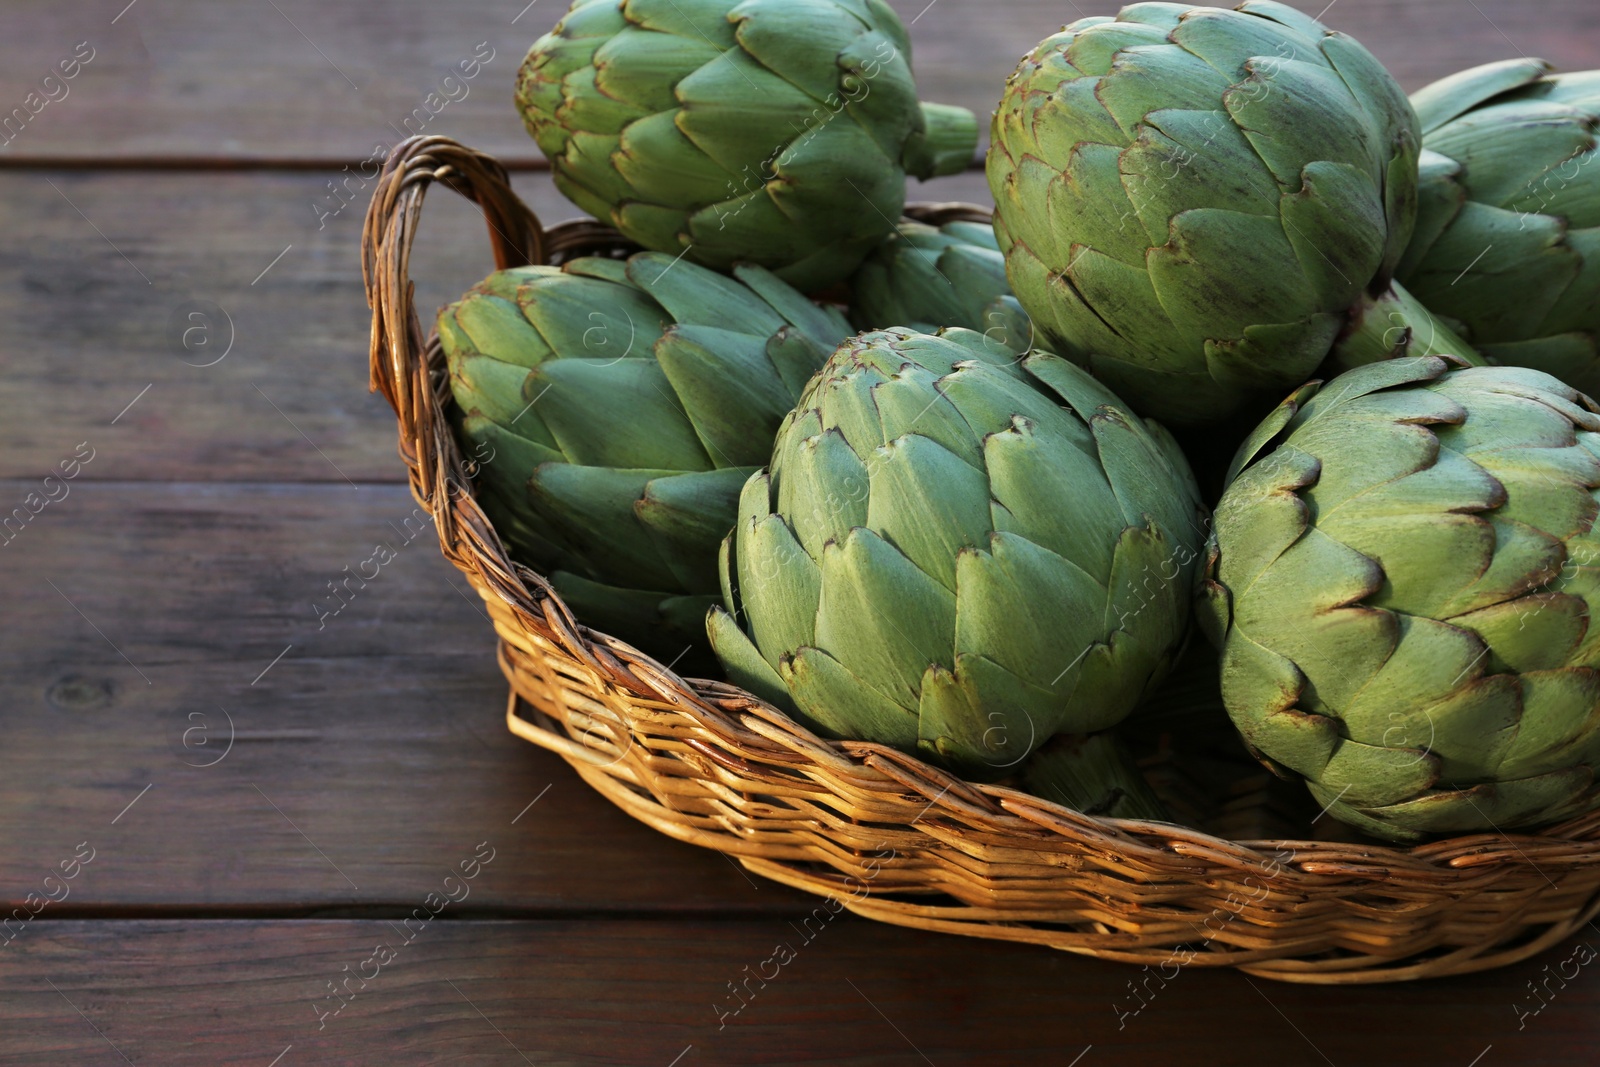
(1402, 578)
(959, 554)
(1507, 245)
(776, 132)
(1199, 204)
(926, 278)
(616, 410)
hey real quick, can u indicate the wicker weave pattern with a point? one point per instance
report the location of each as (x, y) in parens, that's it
(887, 835)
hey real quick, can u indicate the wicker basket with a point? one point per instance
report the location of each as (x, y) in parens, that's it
(879, 831)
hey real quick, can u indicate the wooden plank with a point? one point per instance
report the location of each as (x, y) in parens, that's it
(145, 624)
(301, 81)
(597, 992)
(250, 254)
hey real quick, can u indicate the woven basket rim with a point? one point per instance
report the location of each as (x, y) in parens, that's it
(408, 370)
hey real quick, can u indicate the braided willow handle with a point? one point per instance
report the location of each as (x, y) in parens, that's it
(408, 366)
(515, 236)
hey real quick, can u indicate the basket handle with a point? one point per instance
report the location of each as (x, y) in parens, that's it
(515, 236)
(406, 364)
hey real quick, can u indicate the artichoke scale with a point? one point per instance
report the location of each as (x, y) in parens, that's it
(1148, 85)
(1436, 693)
(878, 93)
(1207, 285)
(742, 662)
(929, 503)
(1057, 497)
(658, 623)
(585, 175)
(1090, 204)
(740, 113)
(1128, 454)
(658, 163)
(768, 31)
(844, 402)
(1310, 602)
(1499, 269)
(1507, 149)
(882, 617)
(638, 66)
(590, 318)
(844, 705)
(824, 489)
(991, 397)
(656, 227)
(615, 413)
(586, 107)
(1577, 310)
(693, 294)
(980, 719)
(1095, 49)
(1560, 723)
(971, 277)
(1449, 98)
(696, 20)
(748, 227)
(515, 448)
(825, 326)
(1229, 41)
(1047, 609)
(1375, 775)
(493, 389)
(1285, 16)
(911, 403)
(1538, 632)
(606, 270)
(1571, 357)
(493, 327)
(1545, 480)
(593, 510)
(689, 515)
(796, 358)
(1184, 159)
(780, 587)
(727, 388)
(1336, 223)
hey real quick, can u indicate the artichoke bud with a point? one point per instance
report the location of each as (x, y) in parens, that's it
(1402, 573)
(960, 553)
(1507, 246)
(1201, 205)
(613, 411)
(739, 130)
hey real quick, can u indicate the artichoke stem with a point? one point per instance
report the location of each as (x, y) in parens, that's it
(1396, 324)
(1093, 774)
(947, 144)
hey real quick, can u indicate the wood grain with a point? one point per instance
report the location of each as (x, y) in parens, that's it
(310, 81)
(142, 618)
(565, 994)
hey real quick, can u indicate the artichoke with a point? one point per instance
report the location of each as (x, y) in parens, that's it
(616, 410)
(1402, 578)
(776, 132)
(1507, 245)
(925, 278)
(959, 554)
(1199, 204)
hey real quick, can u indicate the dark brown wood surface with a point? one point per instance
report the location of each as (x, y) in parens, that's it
(303, 81)
(177, 597)
(565, 993)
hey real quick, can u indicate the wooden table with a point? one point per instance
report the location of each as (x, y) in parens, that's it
(253, 802)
